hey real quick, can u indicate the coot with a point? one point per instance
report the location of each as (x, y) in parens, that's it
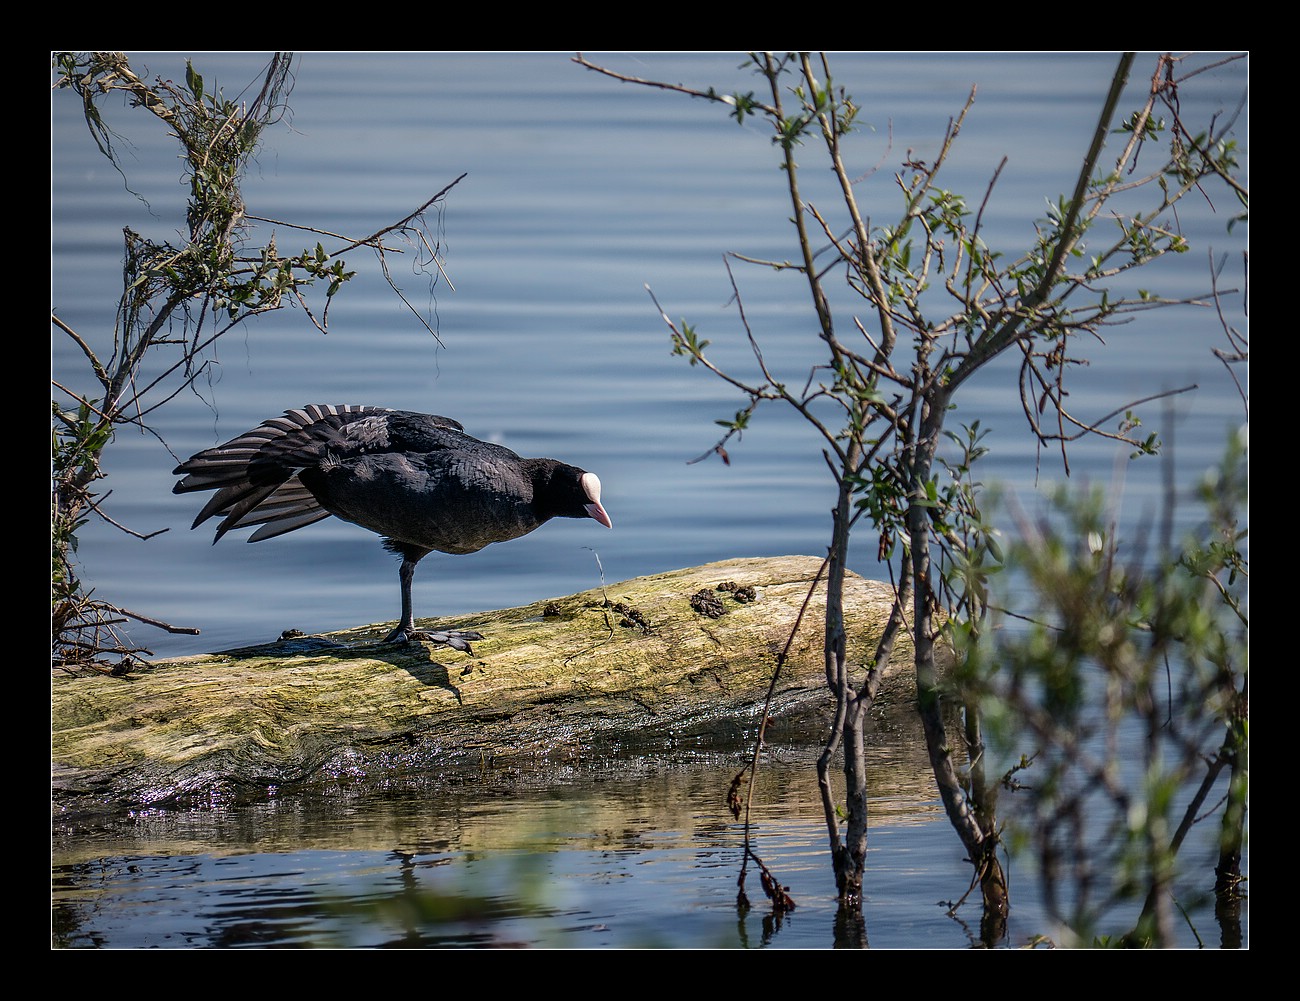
(418, 480)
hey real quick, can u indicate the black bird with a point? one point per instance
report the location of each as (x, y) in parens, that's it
(418, 480)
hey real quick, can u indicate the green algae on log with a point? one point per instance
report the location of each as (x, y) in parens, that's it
(637, 663)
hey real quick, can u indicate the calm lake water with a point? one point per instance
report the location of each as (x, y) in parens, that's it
(618, 852)
(579, 193)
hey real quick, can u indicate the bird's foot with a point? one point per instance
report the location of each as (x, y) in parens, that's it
(457, 639)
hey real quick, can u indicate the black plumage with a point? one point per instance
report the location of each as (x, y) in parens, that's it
(418, 480)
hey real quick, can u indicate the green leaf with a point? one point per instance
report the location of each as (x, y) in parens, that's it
(193, 81)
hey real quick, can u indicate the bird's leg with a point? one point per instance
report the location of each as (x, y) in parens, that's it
(406, 575)
(406, 632)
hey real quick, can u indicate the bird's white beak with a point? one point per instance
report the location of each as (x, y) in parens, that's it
(598, 512)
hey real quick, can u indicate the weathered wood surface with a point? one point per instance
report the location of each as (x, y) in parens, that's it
(630, 664)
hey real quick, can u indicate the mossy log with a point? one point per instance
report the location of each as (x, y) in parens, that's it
(646, 661)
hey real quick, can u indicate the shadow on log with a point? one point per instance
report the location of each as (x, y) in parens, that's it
(645, 663)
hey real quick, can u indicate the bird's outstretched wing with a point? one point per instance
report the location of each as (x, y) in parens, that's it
(255, 475)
